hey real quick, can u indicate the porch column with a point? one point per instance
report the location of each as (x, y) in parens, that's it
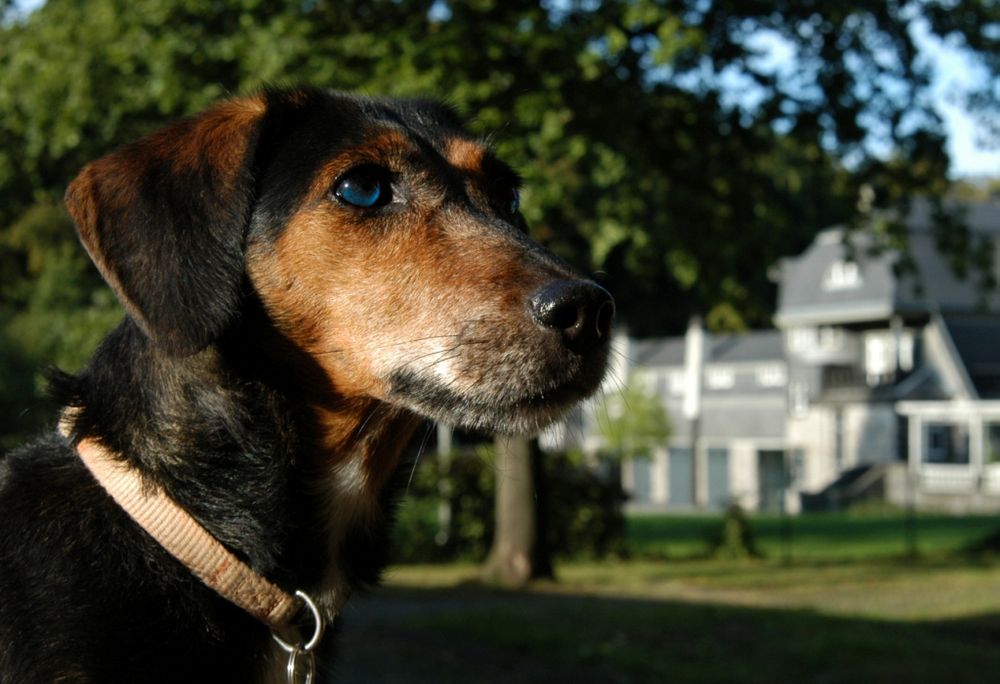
(915, 439)
(700, 465)
(659, 476)
(976, 458)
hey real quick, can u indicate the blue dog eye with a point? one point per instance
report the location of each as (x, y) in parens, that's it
(515, 200)
(363, 188)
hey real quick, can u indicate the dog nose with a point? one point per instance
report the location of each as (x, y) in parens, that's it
(580, 309)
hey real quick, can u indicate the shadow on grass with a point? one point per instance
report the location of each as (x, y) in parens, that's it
(473, 635)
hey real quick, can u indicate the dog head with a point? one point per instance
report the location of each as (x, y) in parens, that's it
(383, 242)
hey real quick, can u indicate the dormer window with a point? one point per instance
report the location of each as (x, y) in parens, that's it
(842, 275)
(720, 378)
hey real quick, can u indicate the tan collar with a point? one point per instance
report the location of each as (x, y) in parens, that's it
(190, 543)
(187, 541)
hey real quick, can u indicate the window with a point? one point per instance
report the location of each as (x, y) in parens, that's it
(807, 341)
(838, 439)
(992, 443)
(642, 478)
(830, 339)
(802, 339)
(842, 275)
(946, 443)
(720, 378)
(771, 375)
(798, 398)
(676, 379)
(880, 357)
(906, 351)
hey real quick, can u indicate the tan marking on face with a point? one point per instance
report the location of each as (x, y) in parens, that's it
(425, 289)
(367, 297)
(466, 155)
(389, 149)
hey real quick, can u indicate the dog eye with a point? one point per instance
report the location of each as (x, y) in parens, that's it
(364, 187)
(515, 200)
(506, 197)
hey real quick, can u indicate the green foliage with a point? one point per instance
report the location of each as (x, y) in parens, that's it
(53, 312)
(467, 484)
(735, 538)
(632, 421)
(988, 546)
(585, 516)
(642, 161)
(62, 310)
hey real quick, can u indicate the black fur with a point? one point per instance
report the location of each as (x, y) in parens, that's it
(196, 407)
(199, 392)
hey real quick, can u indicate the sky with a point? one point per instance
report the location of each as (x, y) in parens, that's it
(953, 73)
(969, 157)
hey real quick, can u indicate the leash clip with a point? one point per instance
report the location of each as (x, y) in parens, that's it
(301, 658)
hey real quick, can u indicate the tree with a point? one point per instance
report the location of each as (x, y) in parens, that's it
(514, 556)
(633, 421)
(664, 146)
(661, 142)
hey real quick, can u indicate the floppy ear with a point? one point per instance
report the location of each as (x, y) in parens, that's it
(164, 220)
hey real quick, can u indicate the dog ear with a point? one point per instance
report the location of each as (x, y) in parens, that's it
(165, 218)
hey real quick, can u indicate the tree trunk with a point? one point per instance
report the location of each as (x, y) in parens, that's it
(512, 559)
(541, 556)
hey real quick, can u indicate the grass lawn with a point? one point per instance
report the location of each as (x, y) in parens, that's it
(690, 621)
(872, 618)
(814, 537)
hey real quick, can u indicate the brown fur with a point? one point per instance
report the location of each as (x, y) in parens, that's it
(282, 344)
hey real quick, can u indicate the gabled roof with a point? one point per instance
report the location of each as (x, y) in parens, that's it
(754, 346)
(804, 293)
(831, 283)
(759, 345)
(977, 341)
(657, 352)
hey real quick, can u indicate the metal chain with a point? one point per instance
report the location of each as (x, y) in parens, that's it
(301, 656)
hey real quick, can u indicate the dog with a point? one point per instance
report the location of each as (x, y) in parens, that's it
(306, 276)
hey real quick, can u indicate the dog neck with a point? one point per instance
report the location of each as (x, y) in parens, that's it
(299, 488)
(355, 450)
(364, 435)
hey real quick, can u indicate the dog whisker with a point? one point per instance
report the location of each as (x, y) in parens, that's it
(420, 451)
(413, 340)
(360, 430)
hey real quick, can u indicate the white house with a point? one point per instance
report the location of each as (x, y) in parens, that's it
(872, 385)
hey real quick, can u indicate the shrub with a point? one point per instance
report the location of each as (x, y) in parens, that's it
(584, 509)
(735, 539)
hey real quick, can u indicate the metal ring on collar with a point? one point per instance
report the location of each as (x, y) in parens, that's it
(318, 622)
(292, 670)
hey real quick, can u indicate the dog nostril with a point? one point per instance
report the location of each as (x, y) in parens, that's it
(605, 314)
(580, 310)
(561, 315)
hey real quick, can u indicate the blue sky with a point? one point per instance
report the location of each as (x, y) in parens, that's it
(954, 73)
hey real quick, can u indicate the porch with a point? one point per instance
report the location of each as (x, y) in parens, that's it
(952, 451)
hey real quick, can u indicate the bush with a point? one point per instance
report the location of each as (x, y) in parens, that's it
(584, 509)
(734, 540)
